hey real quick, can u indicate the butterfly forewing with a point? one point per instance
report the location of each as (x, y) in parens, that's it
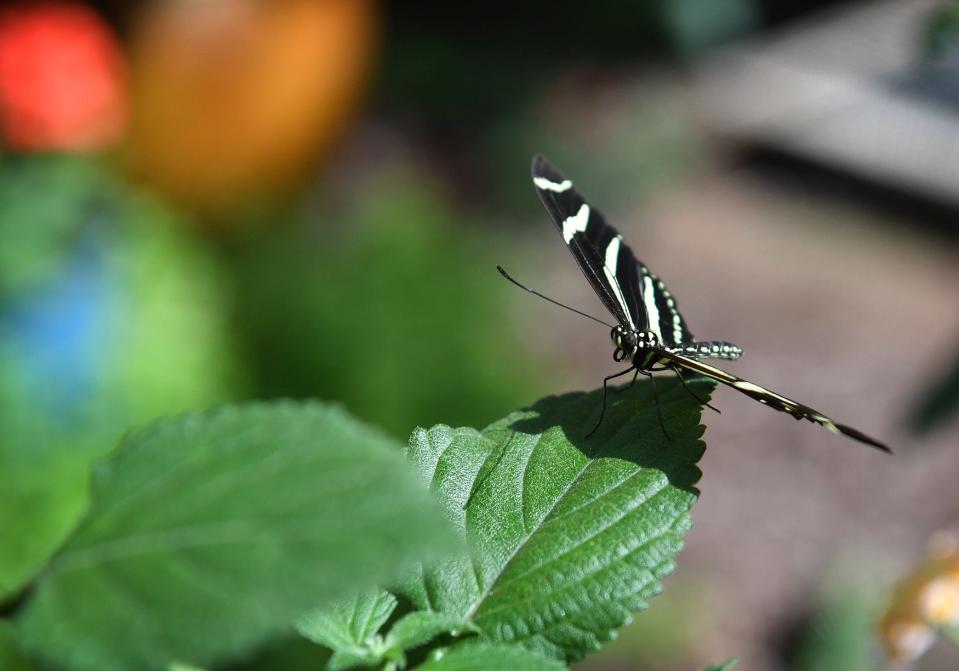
(607, 263)
(631, 292)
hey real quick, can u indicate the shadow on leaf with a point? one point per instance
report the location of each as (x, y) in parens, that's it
(631, 429)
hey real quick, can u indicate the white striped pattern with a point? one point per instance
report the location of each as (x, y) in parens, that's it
(649, 298)
(547, 185)
(609, 269)
(576, 223)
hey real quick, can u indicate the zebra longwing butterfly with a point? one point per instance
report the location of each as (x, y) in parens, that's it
(651, 334)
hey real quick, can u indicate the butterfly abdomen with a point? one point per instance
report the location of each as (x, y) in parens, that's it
(709, 349)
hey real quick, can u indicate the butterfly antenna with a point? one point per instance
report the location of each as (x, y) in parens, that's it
(547, 298)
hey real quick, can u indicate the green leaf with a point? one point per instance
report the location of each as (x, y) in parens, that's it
(840, 632)
(483, 657)
(11, 658)
(416, 629)
(349, 628)
(212, 531)
(939, 401)
(31, 252)
(145, 305)
(348, 622)
(354, 657)
(379, 247)
(728, 664)
(940, 32)
(570, 535)
(43, 492)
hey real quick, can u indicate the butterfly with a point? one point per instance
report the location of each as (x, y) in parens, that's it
(651, 334)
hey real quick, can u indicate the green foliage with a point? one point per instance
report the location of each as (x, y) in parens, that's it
(109, 317)
(422, 70)
(490, 656)
(648, 141)
(210, 532)
(421, 627)
(285, 653)
(696, 25)
(174, 345)
(940, 34)
(43, 491)
(939, 402)
(373, 308)
(569, 535)
(724, 666)
(666, 637)
(841, 631)
(350, 628)
(350, 622)
(37, 232)
(11, 658)
(104, 291)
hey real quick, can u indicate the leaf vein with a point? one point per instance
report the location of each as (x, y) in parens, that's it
(662, 533)
(637, 502)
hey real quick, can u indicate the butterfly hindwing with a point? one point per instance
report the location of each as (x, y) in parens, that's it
(770, 398)
(665, 319)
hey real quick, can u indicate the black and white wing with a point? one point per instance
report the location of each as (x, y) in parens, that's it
(665, 319)
(771, 398)
(638, 299)
(607, 262)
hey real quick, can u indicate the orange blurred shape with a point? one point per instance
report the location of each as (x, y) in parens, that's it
(924, 600)
(61, 78)
(237, 99)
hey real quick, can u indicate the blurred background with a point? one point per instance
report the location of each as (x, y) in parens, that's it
(211, 201)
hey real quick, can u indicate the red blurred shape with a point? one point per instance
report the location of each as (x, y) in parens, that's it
(61, 78)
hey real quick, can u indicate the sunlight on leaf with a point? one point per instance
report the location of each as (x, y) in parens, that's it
(419, 628)
(349, 628)
(211, 531)
(486, 656)
(570, 535)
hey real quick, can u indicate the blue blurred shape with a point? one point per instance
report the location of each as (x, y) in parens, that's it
(57, 334)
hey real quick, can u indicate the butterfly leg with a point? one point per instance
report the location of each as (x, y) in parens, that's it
(702, 402)
(606, 380)
(631, 383)
(659, 413)
(683, 381)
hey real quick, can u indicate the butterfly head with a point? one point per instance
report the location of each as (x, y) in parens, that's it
(629, 343)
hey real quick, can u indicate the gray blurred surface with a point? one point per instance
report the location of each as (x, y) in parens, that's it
(850, 89)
